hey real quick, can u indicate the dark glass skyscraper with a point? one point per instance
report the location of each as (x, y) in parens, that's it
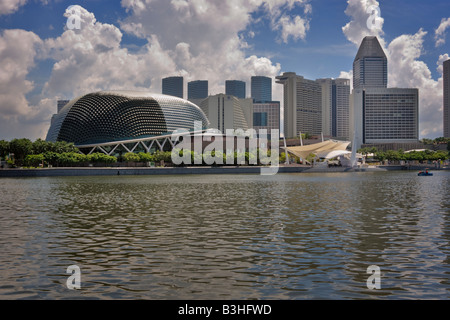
(173, 86)
(261, 88)
(370, 65)
(198, 89)
(235, 88)
(447, 98)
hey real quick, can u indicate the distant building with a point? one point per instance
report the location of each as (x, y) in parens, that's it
(335, 107)
(228, 112)
(447, 99)
(235, 88)
(266, 115)
(61, 104)
(173, 86)
(261, 88)
(302, 105)
(379, 114)
(386, 115)
(197, 89)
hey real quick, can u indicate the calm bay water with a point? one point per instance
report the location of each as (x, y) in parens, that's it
(290, 236)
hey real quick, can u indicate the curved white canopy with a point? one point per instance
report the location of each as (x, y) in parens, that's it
(319, 149)
(332, 154)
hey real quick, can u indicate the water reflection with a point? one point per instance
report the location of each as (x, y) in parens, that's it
(291, 236)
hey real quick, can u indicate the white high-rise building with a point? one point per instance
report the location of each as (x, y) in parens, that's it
(228, 112)
(302, 105)
(379, 114)
(386, 115)
(335, 107)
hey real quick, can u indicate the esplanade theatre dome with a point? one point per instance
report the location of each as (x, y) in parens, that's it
(109, 116)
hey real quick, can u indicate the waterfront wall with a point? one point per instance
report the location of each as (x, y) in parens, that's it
(54, 172)
(117, 171)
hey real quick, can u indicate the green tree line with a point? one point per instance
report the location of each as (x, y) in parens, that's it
(398, 155)
(24, 152)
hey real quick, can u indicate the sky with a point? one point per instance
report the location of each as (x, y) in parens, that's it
(56, 49)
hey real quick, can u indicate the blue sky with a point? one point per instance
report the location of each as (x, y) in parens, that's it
(133, 44)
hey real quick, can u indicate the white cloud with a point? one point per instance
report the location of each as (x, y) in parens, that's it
(442, 58)
(10, 6)
(204, 38)
(92, 58)
(198, 39)
(405, 69)
(295, 28)
(357, 29)
(439, 33)
(18, 118)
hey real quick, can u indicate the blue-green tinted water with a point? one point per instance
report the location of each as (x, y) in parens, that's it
(288, 236)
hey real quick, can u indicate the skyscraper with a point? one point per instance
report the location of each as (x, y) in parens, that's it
(197, 89)
(173, 86)
(447, 99)
(341, 108)
(266, 115)
(235, 88)
(370, 65)
(228, 112)
(302, 105)
(335, 107)
(380, 114)
(261, 88)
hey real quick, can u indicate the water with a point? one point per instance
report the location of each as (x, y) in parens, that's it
(290, 236)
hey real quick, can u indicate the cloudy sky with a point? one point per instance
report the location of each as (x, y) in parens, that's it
(49, 51)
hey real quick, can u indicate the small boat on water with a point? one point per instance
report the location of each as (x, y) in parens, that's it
(424, 173)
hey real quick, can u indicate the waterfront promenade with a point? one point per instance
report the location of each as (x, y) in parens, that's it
(109, 171)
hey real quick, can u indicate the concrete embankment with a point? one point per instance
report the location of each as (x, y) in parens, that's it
(115, 171)
(55, 172)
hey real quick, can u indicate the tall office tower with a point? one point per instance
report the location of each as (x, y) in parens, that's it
(235, 88)
(327, 106)
(447, 99)
(302, 105)
(173, 86)
(380, 114)
(261, 88)
(197, 89)
(341, 108)
(370, 65)
(266, 115)
(228, 112)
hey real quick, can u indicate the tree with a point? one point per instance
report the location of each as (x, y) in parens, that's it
(41, 146)
(4, 148)
(20, 148)
(145, 157)
(62, 147)
(131, 157)
(101, 158)
(34, 160)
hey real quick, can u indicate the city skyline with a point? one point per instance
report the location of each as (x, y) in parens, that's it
(116, 48)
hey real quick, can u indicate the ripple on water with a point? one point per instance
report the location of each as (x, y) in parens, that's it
(290, 236)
